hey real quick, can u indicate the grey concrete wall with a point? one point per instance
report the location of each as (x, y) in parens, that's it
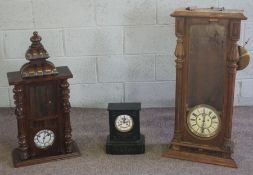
(118, 50)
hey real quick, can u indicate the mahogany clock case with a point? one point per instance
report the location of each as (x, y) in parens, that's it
(207, 58)
(39, 106)
(41, 94)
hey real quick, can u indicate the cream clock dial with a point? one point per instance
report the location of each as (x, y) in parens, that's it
(44, 139)
(203, 121)
(124, 123)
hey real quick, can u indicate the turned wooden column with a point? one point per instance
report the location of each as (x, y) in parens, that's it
(180, 61)
(19, 111)
(66, 110)
(232, 59)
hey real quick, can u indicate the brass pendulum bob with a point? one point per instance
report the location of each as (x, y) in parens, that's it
(244, 57)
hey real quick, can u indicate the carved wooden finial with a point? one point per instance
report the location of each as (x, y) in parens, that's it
(36, 50)
(37, 55)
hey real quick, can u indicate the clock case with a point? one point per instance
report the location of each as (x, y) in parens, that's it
(207, 60)
(42, 102)
(131, 142)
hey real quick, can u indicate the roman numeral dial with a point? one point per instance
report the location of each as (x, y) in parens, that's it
(203, 121)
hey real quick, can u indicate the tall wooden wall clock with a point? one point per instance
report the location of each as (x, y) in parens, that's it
(207, 60)
(41, 94)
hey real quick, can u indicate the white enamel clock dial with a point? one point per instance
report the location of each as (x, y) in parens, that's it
(203, 121)
(124, 123)
(44, 138)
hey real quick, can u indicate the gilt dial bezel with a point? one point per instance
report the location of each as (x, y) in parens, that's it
(195, 133)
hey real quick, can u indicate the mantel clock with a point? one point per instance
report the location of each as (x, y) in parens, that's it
(125, 136)
(41, 94)
(207, 60)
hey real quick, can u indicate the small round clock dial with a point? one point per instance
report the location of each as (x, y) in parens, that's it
(124, 123)
(44, 138)
(203, 121)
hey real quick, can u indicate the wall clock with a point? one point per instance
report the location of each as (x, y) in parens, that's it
(124, 122)
(207, 60)
(41, 97)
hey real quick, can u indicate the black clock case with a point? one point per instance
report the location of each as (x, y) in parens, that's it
(132, 142)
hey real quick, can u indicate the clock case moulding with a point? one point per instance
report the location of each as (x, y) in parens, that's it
(41, 95)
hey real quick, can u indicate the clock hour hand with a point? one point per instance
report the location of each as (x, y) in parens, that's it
(39, 138)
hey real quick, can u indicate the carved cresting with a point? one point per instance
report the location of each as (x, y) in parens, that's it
(232, 59)
(180, 54)
(19, 111)
(66, 110)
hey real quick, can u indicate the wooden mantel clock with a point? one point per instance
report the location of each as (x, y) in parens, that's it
(41, 94)
(207, 60)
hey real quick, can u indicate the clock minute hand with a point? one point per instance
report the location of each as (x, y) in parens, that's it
(203, 123)
(124, 119)
(44, 139)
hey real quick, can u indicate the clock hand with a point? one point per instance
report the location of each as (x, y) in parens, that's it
(203, 122)
(48, 136)
(39, 139)
(124, 119)
(44, 137)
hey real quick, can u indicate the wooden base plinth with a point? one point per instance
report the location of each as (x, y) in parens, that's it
(197, 157)
(20, 163)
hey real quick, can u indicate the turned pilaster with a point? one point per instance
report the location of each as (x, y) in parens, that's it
(180, 61)
(19, 111)
(66, 110)
(232, 59)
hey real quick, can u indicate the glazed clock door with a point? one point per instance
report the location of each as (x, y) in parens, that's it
(206, 57)
(44, 121)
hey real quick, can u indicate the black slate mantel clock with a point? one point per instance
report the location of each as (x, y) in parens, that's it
(124, 122)
(41, 94)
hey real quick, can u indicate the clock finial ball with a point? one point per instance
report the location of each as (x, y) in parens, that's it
(35, 37)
